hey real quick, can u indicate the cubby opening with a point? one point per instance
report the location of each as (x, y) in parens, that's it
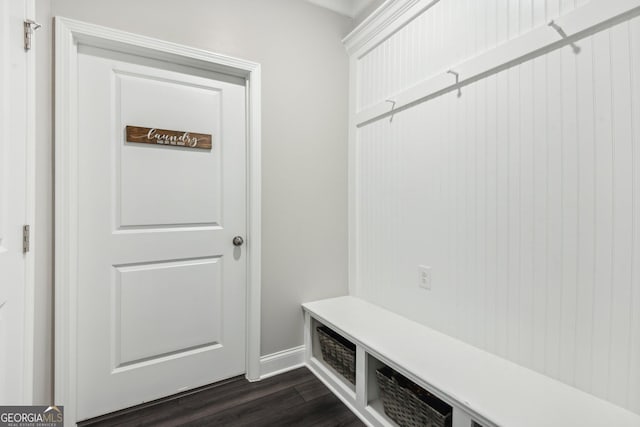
(396, 400)
(374, 398)
(335, 353)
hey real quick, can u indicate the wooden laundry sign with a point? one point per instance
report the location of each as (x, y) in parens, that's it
(174, 138)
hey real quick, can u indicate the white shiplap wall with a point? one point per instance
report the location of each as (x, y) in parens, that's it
(523, 195)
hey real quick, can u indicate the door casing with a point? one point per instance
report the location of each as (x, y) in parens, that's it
(24, 102)
(69, 36)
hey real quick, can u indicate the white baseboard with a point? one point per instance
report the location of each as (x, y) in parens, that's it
(282, 361)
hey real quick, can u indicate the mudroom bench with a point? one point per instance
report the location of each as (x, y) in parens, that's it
(479, 388)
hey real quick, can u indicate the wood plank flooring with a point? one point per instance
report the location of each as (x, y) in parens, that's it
(295, 398)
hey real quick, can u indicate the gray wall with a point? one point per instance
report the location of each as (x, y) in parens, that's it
(305, 91)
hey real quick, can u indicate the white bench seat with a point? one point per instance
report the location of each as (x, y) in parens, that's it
(488, 388)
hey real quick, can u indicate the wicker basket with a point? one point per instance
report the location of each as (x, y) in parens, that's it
(408, 404)
(338, 352)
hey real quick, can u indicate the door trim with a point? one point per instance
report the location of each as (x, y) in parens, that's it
(69, 35)
(30, 256)
(29, 384)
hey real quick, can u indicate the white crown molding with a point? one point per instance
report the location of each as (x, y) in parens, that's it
(386, 18)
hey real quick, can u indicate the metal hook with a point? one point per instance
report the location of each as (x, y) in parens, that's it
(34, 25)
(457, 80)
(393, 106)
(29, 27)
(559, 30)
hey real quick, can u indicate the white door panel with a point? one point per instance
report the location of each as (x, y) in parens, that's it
(167, 291)
(146, 101)
(161, 297)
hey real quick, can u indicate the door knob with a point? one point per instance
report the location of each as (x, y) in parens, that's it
(238, 241)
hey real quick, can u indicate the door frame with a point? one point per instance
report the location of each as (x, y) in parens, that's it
(30, 256)
(69, 35)
(28, 324)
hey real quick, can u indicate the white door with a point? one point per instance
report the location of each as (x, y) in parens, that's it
(13, 181)
(161, 286)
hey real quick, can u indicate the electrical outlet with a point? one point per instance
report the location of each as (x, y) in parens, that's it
(424, 277)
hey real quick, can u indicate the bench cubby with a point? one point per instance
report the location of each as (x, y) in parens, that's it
(482, 389)
(318, 359)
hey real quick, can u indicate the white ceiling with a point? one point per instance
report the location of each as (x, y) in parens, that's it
(350, 8)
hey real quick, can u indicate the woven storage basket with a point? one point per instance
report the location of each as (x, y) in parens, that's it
(408, 404)
(338, 352)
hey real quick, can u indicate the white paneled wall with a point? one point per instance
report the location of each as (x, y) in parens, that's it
(449, 32)
(523, 194)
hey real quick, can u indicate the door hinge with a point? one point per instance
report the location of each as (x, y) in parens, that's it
(29, 27)
(26, 238)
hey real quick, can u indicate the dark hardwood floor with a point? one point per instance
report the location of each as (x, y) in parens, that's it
(295, 398)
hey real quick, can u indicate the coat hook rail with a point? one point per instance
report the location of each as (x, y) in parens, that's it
(457, 76)
(563, 34)
(393, 107)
